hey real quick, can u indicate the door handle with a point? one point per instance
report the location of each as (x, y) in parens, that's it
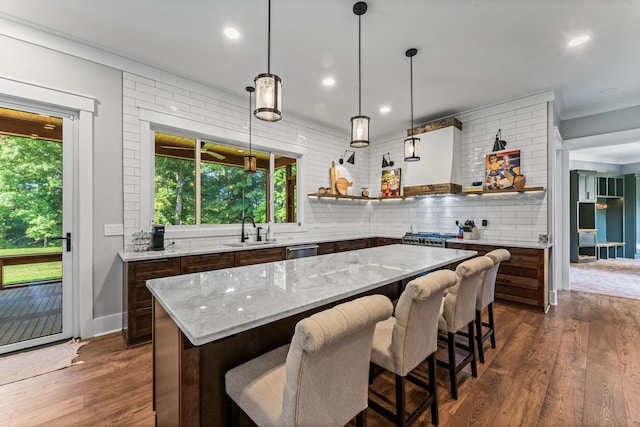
(67, 238)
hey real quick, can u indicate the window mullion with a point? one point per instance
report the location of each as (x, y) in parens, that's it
(198, 194)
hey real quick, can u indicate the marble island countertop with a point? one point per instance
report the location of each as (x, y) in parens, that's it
(215, 304)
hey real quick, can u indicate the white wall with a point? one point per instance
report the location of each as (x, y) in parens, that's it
(594, 166)
(513, 216)
(38, 65)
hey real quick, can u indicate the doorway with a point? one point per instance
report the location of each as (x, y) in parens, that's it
(36, 187)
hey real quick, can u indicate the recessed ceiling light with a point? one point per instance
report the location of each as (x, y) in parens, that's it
(231, 33)
(328, 81)
(608, 90)
(579, 40)
(385, 109)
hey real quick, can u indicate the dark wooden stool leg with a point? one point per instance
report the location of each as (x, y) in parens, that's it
(493, 329)
(451, 347)
(472, 350)
(479, 335)
(361, 419)
(433, 389)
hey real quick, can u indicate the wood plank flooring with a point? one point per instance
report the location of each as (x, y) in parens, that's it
(576, 366)
(30, 312)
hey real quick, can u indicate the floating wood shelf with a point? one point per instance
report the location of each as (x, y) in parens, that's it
(508, 190)
(339, 196)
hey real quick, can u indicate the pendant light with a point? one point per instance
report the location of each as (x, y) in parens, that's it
(268, 88)
(250, 160)
(359, 123)
(411, 144)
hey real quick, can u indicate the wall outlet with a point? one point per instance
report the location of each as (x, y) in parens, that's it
(485, 222)
(113, 229)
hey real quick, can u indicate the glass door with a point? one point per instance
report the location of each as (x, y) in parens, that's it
(35, 241)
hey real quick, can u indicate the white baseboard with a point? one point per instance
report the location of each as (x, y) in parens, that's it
(107, 324)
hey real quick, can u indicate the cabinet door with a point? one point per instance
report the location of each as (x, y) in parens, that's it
(587, 187)
(351, 245)
(207, 262)
(258, 256)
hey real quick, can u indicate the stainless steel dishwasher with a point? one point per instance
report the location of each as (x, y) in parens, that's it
(302, 251)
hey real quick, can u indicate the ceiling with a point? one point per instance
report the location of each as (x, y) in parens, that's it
(471, 53)
(620, 154)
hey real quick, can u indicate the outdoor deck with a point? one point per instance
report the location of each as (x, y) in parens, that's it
(30, 312)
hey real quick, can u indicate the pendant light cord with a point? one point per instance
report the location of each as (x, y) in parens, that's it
(411, 85)
(249, 126)
(359, 65)
(269, 41)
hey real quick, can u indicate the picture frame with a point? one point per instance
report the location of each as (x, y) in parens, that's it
(501, 169)
(390, 183)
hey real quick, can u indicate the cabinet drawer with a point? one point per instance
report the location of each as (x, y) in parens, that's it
(351, 245)
(139, 296)
(258, 256)
(326, 248)
(587, 238)
(154, 268)
(198, 263)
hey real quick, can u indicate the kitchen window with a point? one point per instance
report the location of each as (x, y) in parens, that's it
(198, 182)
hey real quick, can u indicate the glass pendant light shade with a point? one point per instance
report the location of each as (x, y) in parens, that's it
(359, 131)
(250, 164)
(268, 97)
(268, 87)
(412, 149)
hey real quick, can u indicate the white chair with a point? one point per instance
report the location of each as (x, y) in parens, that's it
(321, 378)
(405, 340)
(486, 295)
(458, 310)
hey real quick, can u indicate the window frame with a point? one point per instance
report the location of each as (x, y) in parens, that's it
(152, 121)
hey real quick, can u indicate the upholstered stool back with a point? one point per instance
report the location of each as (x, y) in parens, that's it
(488, 285)
(327, 365)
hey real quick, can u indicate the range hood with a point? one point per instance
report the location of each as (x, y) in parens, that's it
(438, 171)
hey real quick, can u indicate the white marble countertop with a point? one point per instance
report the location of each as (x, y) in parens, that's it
(215, 304)
(502, 243)
(171, 252)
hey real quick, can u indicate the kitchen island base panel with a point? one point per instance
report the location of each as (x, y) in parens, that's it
(189, 380)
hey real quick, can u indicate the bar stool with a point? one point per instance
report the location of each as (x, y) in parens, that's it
(458, 310)
(321, 378)
(405, 340)
(486, 295)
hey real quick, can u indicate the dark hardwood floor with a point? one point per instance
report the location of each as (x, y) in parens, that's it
(575, 366)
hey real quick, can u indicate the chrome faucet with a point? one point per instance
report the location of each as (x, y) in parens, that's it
(244, 237)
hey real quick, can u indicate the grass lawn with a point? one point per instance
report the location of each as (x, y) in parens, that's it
(26, 273)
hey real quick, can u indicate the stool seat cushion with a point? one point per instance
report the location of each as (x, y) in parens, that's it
(256, 386)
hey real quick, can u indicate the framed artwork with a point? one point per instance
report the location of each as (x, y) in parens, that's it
(390, 183)
(501, 169)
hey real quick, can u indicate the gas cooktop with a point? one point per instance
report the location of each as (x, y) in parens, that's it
(428, 238)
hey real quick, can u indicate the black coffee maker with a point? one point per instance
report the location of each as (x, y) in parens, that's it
(157, 235)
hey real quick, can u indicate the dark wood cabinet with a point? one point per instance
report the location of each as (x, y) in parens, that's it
(523, 280)
(326, 248)
(206, 262)
(258, 256)
(384, 241)
(136, 298)
(351, 245)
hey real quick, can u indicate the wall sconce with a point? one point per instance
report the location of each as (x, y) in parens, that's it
(351, 159)
(499, 144)
(386, 160)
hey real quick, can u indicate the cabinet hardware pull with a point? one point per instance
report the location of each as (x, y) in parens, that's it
(157, 260)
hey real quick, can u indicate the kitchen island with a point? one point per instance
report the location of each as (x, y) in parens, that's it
(207, 323)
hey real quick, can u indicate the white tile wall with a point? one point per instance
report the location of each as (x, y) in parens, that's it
(513, 216)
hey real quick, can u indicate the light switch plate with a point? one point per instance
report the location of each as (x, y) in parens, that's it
(113, 230)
